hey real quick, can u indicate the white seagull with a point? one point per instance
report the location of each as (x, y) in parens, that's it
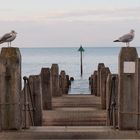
(126, 38)
(8, 37)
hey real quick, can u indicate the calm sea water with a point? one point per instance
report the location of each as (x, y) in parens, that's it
(68, 59)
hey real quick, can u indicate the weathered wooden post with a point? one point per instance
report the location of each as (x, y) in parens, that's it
(36, 90)
(91, 84)
(63, 81)
(55, 80)
(95, 83)
(100, 65)
(103, 78)
(10, 88)
(67, 83)
(138, 96)
(108, 99)
(24, 100)
(112, 100)
(81, 50)
(46, 88)
(128, 88)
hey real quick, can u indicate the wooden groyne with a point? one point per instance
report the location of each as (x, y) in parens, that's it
(43, 88)
(44, 99)
(23, 108)
(119, 93)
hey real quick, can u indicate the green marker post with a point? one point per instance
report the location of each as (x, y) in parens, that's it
(81, 50)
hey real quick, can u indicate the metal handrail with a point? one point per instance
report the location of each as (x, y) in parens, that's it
(26, 103)
(112, 103)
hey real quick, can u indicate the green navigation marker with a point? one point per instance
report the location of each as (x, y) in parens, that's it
(81, 50)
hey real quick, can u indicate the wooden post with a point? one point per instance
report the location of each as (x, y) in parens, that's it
(24, 100)
(95, 83)
(91, 84)
(128, 88)
(138, 95)
(46, 88)
(67, 83)
(36, 90)
(103, 78)
(100, 65)
(112, 99)
(55, 80)
(10, 88)
(63, 82)
(108, 99)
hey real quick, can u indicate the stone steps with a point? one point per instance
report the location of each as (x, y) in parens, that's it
(75, 110)
(73, 118)
(69, 132)
(76, 101)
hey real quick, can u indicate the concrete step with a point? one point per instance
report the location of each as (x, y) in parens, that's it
(74, 117)
(82, 132)
(75, 110)
(76, 101)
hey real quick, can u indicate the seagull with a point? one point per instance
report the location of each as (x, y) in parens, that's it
(8, 37)
(126, 38)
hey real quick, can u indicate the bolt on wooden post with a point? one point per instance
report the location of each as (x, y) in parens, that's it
(10, 88)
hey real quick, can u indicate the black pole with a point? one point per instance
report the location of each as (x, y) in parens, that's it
(81, 64)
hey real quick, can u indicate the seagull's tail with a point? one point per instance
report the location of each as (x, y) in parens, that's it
(1, 41)
(116, 41)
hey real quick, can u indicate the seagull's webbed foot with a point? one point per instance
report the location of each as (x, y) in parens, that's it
(127, 44)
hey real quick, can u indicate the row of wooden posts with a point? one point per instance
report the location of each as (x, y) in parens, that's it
(22, 108)
(120, 93)
(105, 85)
(38, 92)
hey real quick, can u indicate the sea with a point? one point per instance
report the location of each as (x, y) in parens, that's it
(68, 59)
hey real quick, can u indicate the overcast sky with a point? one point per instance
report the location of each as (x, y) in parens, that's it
(69, 23)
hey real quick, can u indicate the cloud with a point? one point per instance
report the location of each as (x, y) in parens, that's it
(99, 14)
(94, 14)
(6, 9)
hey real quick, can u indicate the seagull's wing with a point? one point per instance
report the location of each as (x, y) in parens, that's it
(5, 37)
(126, 38)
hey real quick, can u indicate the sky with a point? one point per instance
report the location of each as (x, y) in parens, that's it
(69, 23)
